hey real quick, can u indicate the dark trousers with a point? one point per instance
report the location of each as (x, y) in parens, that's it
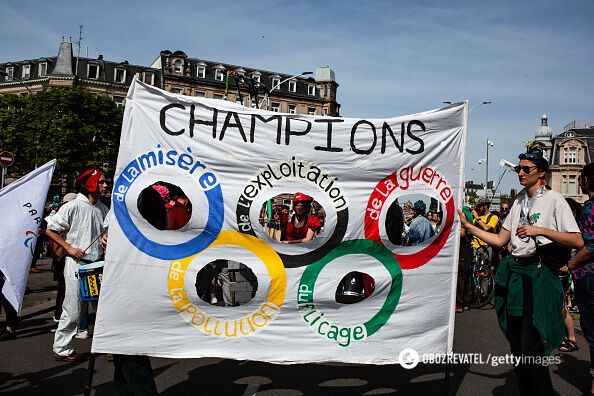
(584, 294)
(464, 262)
(524, 340)
(133, 375)
(12, 319)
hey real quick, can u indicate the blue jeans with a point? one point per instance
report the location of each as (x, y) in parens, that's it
(584, 294)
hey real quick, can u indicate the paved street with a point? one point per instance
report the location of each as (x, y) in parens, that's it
(27, 367)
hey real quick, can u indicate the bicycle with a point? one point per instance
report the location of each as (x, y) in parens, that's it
(482, 279)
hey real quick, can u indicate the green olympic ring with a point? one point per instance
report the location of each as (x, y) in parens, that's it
(358, 246)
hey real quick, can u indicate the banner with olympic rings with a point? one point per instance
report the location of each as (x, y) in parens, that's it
(287, 238)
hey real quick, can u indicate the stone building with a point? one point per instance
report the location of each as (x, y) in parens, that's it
(293, 94)
(100, 76)
(568, 152)
(174, 72)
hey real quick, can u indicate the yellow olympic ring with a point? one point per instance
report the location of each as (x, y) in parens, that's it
(267, 311)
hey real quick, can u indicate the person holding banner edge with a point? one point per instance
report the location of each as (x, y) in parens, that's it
(82, 222)
(528, 293)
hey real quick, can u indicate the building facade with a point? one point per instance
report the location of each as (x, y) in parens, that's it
(289, 94)
(97, 75)
(174, 72)
(568, 152)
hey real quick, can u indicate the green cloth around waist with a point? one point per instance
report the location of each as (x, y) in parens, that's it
(547, 294)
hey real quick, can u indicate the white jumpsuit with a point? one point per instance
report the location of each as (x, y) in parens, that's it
(82, 223)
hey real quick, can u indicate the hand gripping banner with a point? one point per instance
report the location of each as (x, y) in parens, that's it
(287, 238)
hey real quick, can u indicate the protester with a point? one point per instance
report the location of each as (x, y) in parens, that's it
(395, 223)
(58, 261)
(82, 222)
(464, 262)
(302, 227)
(569, 344)
(151, 206)
(582, 265)
(528, 294)
(420, 228)
(12, 319)
(485, 220)
(178, 215)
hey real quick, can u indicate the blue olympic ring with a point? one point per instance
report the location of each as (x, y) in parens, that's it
(169, 252)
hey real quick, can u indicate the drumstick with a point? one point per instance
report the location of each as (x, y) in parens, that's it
(94, 240)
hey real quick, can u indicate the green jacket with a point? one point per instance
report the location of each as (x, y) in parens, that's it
(547, 293)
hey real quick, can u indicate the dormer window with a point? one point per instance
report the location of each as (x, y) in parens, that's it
(9, 73)
(292, 86)
(178, 66)
(570, 134)
(42, 69)
(256, 76)
(311, 89)
(93, 71)
(220, 74)
(26, 72)
(275, 82)
(148, 78)
(570, 155)
(201, 70)
(119, 76)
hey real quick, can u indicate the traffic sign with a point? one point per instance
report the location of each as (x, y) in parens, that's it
(6, 159)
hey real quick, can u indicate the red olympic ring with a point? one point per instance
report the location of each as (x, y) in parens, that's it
(407, 261)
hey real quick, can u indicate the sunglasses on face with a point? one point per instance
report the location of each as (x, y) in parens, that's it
(504, 209)
(526, 169)
(103, 182)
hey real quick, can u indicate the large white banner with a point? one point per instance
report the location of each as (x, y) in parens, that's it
(21, 211)
(233, 283)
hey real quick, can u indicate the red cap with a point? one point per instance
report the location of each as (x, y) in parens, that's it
(302, 197)
(90, 179)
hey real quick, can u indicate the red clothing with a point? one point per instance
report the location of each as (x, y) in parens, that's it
(294, 233)
(177, 217)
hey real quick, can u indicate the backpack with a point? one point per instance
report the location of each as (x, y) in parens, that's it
(497, 226)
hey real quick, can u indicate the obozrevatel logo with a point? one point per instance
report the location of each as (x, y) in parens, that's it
(408, 358)
(30, 241)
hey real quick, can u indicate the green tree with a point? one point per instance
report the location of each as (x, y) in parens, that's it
(72, 125)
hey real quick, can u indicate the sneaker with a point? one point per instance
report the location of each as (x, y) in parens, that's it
(82, 335)
(214, 300)
(459, 309)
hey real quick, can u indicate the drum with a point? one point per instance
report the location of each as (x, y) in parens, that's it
(89, 276)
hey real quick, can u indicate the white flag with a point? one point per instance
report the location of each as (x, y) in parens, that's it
(21, 211)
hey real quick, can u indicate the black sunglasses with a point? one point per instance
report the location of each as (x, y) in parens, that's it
(526, 169)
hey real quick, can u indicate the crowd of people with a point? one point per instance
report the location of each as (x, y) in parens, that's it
(411, 224)
(539, 244)
(300, 223)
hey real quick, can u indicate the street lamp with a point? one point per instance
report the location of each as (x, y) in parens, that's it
(267, 98)
(506, 165)
(489, 144)
(4, 74)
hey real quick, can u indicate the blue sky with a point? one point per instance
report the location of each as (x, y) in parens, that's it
(390, 58)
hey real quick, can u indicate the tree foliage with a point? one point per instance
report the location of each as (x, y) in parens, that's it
(72, 125)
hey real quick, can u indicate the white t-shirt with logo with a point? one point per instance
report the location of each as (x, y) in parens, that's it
(550, 210)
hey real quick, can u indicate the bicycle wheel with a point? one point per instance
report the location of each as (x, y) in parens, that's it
(484, 289)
